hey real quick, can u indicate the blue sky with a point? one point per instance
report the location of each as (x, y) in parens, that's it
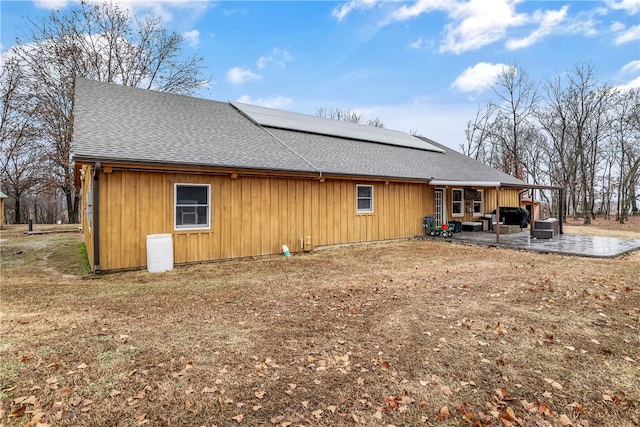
(422, 65)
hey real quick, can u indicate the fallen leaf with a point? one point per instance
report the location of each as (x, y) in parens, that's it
(238, 418)
(443, 413)
(565, 421)
(545, 410)
(260, 394)
(446, 390)
(317, 413)
(18, 412)
(66, 392)
(332, 409)
(25, 400)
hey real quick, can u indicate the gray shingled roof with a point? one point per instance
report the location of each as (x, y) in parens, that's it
(122, 124)
(118, 123)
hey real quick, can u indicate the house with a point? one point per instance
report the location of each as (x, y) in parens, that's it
(229, 180)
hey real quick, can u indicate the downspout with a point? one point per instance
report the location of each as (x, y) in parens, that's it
(96, 218)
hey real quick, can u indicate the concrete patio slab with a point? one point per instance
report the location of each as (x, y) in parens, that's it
(565, 244)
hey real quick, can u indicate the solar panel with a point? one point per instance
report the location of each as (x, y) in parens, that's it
(305, 123)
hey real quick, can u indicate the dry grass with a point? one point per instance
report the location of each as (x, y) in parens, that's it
(405, 333)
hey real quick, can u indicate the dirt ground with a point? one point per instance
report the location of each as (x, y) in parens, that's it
(407, 333)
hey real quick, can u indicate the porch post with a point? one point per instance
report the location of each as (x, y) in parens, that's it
(498, 215)
(561, 208)
(532, 220)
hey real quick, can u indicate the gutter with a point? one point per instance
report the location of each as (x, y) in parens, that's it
(96, 217)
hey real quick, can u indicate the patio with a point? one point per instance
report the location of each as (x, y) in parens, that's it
(564, 244)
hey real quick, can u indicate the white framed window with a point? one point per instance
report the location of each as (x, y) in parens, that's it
(478, 203)
(364, 198)
(192, 206)
(457, 202)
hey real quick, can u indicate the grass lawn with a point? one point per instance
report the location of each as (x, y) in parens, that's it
(406, 333)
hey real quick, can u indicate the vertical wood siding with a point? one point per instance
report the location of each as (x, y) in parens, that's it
(249, 216)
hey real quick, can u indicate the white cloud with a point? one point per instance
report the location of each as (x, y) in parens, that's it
(631, 67)
(50, 4)
(343, 10)
(630, 35)
(416, 44)
(478, 78)
(239, 75)
(277, 55)
(633, 84)
(549, 22)
(192, 37)
(275, 102)
(630, 6)
(263, 61)
(476, 24)
(421, 6)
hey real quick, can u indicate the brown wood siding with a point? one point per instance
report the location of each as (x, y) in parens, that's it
(249, 216)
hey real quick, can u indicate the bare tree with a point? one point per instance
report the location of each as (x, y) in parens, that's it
(346, 116)
(478, 134)
(553, 118)
(626, 140)
(20, 145)
(517, 97)
(588, 106)
(101, 42)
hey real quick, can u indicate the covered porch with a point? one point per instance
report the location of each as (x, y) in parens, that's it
(539, 227)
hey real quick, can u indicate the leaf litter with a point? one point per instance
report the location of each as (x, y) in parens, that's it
(404, 333)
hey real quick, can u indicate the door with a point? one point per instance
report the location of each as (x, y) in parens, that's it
(439, 204)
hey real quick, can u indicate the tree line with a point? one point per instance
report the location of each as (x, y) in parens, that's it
(569, 131)
(97, 41)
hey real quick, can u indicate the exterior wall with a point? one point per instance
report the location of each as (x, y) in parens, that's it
(249, 215)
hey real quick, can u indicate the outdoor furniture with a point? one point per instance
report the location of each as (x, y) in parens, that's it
(471, 226)
(455, 226)
(509, 228)
(513, 216)
(546, 228)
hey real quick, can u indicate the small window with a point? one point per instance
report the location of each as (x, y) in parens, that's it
(457, 202)
(364, 198)
(192, 206)
(478, 205)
